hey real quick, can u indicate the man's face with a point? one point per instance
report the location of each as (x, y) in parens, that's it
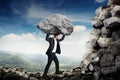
(57, 36)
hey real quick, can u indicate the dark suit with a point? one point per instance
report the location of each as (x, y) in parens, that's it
(52, 56)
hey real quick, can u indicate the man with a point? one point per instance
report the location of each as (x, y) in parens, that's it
(54, 47)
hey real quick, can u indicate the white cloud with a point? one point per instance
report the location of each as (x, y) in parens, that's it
(40, 12)
(78, 18)
(100, 1)
(79, 28)
(13, 37)
(37, 12)
(73, 45)
(24, 43)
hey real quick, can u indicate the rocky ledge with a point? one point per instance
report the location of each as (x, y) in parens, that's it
(21, 74)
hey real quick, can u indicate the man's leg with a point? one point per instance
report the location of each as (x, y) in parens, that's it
(48, 65)
(56, 64)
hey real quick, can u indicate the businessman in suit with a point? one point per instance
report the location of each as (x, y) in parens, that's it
(54, 47)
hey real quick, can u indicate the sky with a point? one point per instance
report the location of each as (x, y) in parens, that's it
(18, 20)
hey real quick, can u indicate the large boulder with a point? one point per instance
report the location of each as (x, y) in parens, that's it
(106, 32)
(107, 60)
(116, 11)
(56, 24)
(103, 13)
(115, 47)
(116, 35)
(96, 32)
(97, 24)
(108, 70)
(117, 62)
(112, 23)
(94, 35)
(92, 45)
(104, 42)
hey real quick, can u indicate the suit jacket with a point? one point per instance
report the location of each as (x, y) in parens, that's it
(51, 44)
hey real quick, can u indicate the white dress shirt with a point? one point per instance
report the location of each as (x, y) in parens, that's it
(55, 46)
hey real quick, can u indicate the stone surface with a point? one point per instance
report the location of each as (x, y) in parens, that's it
(117, 62)
(108, 70)
(94, 34)
(104, 14)
(116, 35)
(104, 42)
(113, 2)
(107, 60)
(115, 47)
(106, 33)
(33, 78)
(116, 11)
(56, 24)
(112, 23)
(97, 24)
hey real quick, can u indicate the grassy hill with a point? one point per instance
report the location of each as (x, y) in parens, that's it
(32, 62)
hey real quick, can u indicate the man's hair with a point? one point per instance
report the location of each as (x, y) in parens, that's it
(55, 35)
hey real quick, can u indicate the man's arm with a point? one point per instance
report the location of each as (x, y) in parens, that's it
(63, 36)
(47, 37)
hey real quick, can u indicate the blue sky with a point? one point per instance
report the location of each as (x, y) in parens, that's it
(18, 20)
(22, 16)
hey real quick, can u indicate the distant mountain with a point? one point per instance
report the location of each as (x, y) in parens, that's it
(33, 62)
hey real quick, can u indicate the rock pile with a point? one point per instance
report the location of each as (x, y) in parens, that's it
(21, 74)
(103, 55)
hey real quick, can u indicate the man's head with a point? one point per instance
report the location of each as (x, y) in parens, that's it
(56, 36)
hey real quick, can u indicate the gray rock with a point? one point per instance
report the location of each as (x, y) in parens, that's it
(104, 42)
(97, 69)
(104, 14)
(101, 52)
(108, 70)
(98, 10)
(56, 24)
(92, 45)
(67, 73)
(115, 47)
(114, 2)
(95, 59)
(116, 35)
(96, 75)
(90, 67)
(97, 24)
(95, 32)
(112, 23)
(105, 32)
(117, 62)
(33, 78)
(78, 69)
(107, 60)
(72, 78)
(91, 57)
(116, 11)
(37, 75)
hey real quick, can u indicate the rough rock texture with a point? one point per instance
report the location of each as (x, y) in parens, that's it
(20, 74)
(105, 64)
(56, 24)
(113, 2)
